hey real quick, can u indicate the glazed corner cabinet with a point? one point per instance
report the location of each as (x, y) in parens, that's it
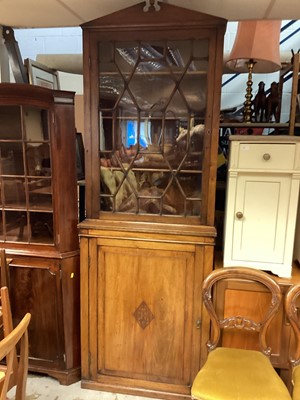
(38, 226)
(152, 82)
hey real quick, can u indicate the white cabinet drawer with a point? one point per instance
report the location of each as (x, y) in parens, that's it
(267, 156)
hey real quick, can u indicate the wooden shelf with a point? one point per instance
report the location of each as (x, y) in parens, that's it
(254, 125)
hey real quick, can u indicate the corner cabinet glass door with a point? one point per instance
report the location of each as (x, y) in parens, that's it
(25, 175)
(152, 107)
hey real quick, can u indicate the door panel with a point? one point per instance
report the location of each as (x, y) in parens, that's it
(34, 290)
(145, 311)
(260, 234)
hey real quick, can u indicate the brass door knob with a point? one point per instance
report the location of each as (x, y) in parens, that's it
(239, 215)
(198, 323)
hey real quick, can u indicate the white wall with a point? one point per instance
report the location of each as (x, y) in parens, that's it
(53, 41)
(69, 41)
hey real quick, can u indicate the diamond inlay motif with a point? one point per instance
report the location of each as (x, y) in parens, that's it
(143, 315)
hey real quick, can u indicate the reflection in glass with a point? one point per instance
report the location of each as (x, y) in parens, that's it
(35, 123)
(40, 194)
(25, 175)
(38, 159)
(10, 123)
(15, 226)
(152, 106)
(41, 225)
(12, 160)
(13, 193)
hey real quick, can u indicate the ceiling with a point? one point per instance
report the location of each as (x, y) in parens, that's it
(63, 13)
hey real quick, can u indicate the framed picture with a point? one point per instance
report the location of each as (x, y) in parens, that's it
(40, 75)
(79, 156)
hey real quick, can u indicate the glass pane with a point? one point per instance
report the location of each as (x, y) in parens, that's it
(126, 55)
(41, 224)
(11, 160)
(193, 88)
(10, 123)
(38, 159)
(13, 193)
(15, 226)
(152, 125)
(40, 194)
(200, 49)
(35, 122)
(25, 175)
(159, 90)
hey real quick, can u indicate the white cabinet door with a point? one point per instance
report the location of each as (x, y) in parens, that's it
(260, 217)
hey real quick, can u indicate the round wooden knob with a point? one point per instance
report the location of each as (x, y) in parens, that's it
(266, 156)
(239, 215)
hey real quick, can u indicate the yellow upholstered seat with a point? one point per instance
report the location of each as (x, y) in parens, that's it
(296, 383)
(233, 373)
(292, 299)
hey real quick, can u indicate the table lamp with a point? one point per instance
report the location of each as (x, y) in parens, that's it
(255, 50)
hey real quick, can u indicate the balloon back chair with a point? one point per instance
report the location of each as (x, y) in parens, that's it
(6, 323)
(14, 371)
(238, 373)
(4, 274)
(292, 306)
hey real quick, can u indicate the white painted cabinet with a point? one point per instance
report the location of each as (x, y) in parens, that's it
(261, 203)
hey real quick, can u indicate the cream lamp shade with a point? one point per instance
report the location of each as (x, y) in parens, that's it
(255, 50)
(257, 41)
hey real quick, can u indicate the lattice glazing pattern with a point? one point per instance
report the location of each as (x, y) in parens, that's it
(152, 106)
